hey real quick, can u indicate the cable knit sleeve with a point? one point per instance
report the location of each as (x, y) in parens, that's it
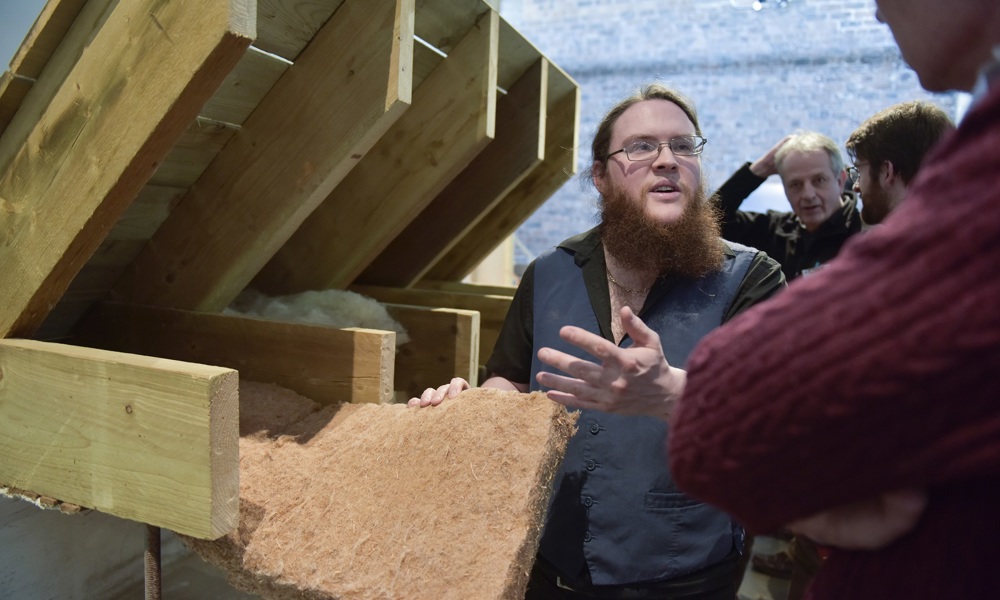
(879, 372)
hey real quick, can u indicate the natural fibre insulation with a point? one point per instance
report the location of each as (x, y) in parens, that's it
(364, 501)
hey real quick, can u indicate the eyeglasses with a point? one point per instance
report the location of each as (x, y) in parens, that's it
(853, 173)
(682, 145)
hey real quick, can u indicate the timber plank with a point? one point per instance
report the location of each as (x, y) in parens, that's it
(244, 88)
(325, 364)
(48, 53)
(519, 146)
(147, 439)
(451, 120)
(348, 87)
(492, 308)
(466, 288)
(285, 27)
(13, 90)
(79, 169)
(444, 23)
(561, 141)
(188, 159)
(34, 53)
(444, 343)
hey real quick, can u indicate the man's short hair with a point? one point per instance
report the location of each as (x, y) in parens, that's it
(811, 141)
(901, 134)
(654, 91)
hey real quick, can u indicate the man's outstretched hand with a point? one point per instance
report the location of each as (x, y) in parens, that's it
(629, 381)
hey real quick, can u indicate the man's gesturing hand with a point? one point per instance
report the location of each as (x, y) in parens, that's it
(629, 381)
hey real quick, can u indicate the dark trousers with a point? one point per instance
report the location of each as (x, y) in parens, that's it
(717, 582)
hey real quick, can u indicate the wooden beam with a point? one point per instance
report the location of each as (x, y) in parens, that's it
(46, 34)
(244, 88)
(285, 27)
(519, 146)
(347, 88)
(327, 364)
(57, 40)
(147, 439)
(79, 168)
(466, 288)
(444, 343)
(492, 309)
(561, 140)
(451, 120)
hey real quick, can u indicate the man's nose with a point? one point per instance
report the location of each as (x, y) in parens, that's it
(665, 158)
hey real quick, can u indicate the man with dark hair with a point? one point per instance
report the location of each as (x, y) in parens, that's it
(617, 527)
(887, 150)
(874, 431)
(823, 214)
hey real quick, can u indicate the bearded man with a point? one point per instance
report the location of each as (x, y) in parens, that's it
(617, 526)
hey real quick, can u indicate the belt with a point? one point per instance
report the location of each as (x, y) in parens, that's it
(718, 577)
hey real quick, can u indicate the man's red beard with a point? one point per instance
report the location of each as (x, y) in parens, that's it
(689, 247)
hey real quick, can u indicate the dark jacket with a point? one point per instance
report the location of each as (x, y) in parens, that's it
(780, 234)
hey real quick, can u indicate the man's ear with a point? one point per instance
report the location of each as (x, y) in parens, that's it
(599, 175)
(887, 172)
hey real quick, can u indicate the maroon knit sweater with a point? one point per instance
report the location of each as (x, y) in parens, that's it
(879, 372)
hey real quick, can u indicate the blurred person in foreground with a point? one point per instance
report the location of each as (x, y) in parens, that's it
(858, 407)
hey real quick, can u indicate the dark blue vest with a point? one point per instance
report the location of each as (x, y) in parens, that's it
(615, 506)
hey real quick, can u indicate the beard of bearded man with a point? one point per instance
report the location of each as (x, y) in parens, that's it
(874, 205)
(689, 247)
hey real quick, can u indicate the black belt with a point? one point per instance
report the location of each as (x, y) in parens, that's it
(717, 578)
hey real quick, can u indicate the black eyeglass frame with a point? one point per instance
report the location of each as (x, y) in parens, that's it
(699, 147)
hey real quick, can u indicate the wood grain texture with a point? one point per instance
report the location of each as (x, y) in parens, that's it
(142, 438)
(516, 149)
(492, 309)
(444, 343)
(451, 120)
(561, 141)
(326, 364)
(347, 88)
(79, 169)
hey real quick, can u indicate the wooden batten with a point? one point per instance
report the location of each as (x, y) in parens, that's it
(78, 168)
(451, 120)
(326, 364)
(56, 27)
(466, 288)
(346, 88)
(561, 141)
(517, 148)
(147, 439)
(444, 343)
(285, 28)
(492, 309)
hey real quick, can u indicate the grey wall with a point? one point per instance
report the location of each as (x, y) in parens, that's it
(755, 77)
